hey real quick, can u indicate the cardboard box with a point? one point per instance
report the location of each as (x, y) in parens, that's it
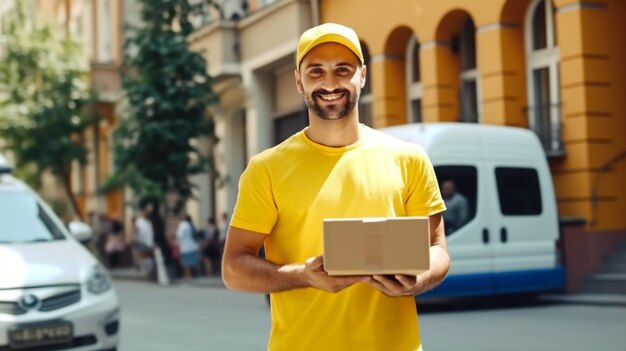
(364, 246)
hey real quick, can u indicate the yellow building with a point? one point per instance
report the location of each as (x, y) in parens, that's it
(551, 66)
(555, 67)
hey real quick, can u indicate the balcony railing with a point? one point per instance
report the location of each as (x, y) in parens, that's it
(548, 127)
(219, 44)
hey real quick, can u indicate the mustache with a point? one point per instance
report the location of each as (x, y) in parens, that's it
(336, 91)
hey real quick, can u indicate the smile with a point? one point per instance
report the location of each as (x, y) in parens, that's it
(330, 97)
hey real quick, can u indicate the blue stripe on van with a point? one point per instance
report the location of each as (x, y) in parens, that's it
(483, 284)
(528, 281)
(464, 285)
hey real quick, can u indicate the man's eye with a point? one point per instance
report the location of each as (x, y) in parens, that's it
(343, 71)
(316, 72)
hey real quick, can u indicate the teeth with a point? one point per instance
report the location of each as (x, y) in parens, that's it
(330, 97)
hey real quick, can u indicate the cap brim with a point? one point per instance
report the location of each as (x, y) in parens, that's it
(330, 38)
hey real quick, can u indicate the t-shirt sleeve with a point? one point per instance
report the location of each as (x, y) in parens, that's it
(424, 197)
(255, 209)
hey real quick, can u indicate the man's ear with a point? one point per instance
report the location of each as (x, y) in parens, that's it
(363, 75)
(296, 74)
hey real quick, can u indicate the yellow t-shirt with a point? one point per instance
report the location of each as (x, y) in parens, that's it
(288, 190)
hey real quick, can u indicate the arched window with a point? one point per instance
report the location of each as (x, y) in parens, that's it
(469, 94)
(365, 101)
(542, 74)
(414, 80)
(105, 47)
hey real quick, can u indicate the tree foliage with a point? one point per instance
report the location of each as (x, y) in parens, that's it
(44, 99)
(168, 90)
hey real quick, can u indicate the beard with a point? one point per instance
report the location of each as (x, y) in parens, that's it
(332, 111)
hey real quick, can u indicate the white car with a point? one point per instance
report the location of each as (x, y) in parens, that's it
(54, 295)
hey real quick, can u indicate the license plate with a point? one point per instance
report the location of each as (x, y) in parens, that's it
(39, 335)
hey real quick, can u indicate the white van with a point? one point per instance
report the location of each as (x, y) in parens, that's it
(508, 241)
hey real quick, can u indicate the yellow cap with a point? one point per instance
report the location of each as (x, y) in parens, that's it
(328, 33)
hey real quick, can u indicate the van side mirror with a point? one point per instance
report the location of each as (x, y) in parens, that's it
(81, 231)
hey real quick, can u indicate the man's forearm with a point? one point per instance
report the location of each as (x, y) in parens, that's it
(250, 273)
(440, 265)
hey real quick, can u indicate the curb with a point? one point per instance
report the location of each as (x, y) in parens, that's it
(617, 300)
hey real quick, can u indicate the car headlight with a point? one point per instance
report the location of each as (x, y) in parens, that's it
(98, 281)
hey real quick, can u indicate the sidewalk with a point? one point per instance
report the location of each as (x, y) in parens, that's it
(134, 274)
(617, 300)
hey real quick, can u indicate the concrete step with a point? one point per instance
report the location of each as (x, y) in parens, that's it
(616, 258)
(614, 267)
(606, 283)
(620, 249)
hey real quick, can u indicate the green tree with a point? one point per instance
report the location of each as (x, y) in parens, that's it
(44, 100)
(168, 91)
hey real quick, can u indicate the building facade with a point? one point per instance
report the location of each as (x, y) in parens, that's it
(554, 67)
(98, 26)
(250, 51)
(551, 66)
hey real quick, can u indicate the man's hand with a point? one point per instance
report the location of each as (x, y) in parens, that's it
(315, 275)
(396, 285)
(406, 285)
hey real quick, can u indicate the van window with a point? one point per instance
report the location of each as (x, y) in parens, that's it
(518, 191)
(458, 186)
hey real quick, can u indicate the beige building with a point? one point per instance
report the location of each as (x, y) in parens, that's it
(250, 53)
(97, 25)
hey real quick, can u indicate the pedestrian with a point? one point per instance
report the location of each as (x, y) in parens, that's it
(334, 168)
(211, 247)
(143, 240)
(185, 235)
(101, 226)
(114, 245)
(161, 241)
(224, 228)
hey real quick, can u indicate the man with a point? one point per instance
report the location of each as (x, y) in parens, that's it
(334, 168)
(143, 241)
(211, 247)
(457, 208)
(187, 246)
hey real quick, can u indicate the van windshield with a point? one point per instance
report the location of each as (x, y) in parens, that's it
(22, 220)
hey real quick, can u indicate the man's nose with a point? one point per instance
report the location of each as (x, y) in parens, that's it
(330, 82)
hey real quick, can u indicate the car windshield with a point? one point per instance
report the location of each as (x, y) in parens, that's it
(22, 219)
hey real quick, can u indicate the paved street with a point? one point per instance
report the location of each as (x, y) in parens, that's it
(190, 318)
(206, 316)
(479, 325)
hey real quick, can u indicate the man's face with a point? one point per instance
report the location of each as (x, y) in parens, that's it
(447, 189)
(330, 77)
(148, 209)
